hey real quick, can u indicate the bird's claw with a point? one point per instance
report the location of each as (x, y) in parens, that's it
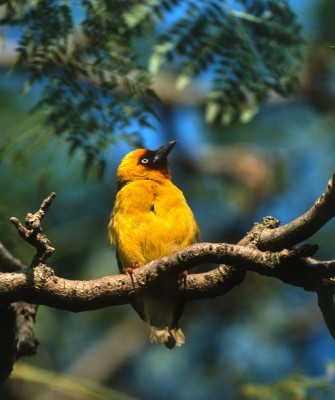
(130, 270)
(183, 278)
(127, 271)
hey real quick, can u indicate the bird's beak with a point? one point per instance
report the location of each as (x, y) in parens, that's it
(162, 152)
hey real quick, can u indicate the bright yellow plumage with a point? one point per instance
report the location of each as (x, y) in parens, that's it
(151, 219)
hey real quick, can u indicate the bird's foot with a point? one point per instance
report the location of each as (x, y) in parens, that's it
(159, 335)
(127, 271)
(170, 337)
(182, 278)
(130, 270)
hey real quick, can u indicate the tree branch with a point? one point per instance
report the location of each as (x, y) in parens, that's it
(32, 232)
(266, 249)
(304, 226)
(8, 263)
(40, 285)
(26, 343)
(7, 340)
(18, 338)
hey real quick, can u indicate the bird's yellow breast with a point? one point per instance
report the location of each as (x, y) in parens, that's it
(150, 220)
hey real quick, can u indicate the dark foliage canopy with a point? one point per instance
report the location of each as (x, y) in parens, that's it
(95, 88)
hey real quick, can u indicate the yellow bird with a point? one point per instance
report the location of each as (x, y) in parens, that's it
(151, 219)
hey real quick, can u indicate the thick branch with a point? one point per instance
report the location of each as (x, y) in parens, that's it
(17, 321)
(7, 340)
(42, 286)
(26, 343)
(326, 302)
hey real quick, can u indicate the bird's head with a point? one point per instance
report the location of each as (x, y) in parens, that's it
(145, 164)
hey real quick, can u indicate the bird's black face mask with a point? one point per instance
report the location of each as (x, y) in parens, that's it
(157, 159)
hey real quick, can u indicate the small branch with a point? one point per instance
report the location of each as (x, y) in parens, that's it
(8, 263)
(32, 232)
(303, 227)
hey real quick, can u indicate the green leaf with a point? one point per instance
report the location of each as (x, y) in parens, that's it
(157, 58)
(213, 109)
(26, 87)
(139, 13)
(227, 115)
(183, 81)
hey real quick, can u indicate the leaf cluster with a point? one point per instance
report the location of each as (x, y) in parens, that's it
(94, 89)
(240, 53)
(298, 387)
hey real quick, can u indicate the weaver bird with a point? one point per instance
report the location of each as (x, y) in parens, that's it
(150, 220)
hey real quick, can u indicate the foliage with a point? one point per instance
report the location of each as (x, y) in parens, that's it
(72, 387)
(245, 52)
(94, 89)
(291, 388)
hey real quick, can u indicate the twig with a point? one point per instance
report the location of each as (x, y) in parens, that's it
(303, 227)
(32, 232)
(8, 263)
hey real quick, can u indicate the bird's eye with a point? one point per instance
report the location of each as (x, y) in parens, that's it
(144, 161)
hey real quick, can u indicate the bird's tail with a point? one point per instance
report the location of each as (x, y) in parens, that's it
(170, 337)
(161, 315)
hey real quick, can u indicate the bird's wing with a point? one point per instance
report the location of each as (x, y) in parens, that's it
(118, 259)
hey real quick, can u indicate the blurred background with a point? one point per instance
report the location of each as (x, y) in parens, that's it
(232, 176)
